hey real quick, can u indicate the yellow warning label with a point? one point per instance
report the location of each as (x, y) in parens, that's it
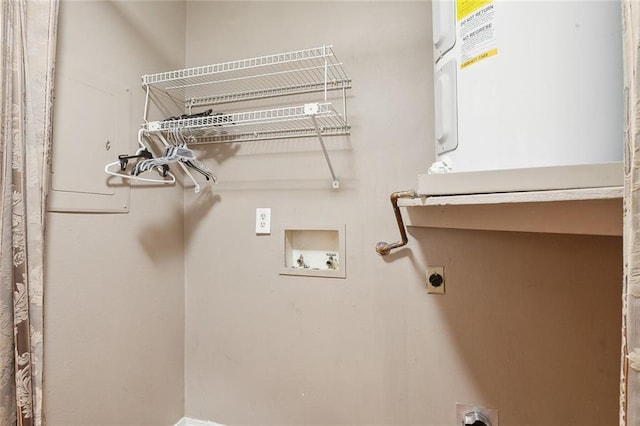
(467, 7)
(478, 58)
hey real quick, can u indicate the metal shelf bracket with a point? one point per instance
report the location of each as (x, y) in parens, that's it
(311, 110)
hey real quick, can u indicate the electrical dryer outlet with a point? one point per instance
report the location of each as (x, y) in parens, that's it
(435, 280)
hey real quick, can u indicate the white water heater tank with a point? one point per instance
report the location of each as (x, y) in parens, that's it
(522, 84)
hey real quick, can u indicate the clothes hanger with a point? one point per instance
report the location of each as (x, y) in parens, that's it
(178, 152)
(189, 157)
(142, 152)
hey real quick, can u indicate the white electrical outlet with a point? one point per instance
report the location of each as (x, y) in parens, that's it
(435, 280)
(263, 221)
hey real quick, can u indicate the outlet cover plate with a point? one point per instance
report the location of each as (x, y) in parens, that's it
(435, 279)
(263, 221)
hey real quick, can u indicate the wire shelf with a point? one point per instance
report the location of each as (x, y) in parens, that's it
(279, 75)
(301, 71)
(294, 121)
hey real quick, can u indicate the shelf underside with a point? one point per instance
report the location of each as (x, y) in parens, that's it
(303, 71)
(294, 121)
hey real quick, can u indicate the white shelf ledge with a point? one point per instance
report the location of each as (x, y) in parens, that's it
(569, 177)
(588, 211)
(582, 194)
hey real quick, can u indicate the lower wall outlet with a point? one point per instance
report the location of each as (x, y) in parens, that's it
(435, 280)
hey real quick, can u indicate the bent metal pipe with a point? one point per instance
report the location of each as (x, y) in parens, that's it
(383, 248)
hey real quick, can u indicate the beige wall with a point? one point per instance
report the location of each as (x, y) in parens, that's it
(114, 325)
(530, 323)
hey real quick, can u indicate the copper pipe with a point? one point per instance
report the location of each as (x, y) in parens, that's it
(383, 248)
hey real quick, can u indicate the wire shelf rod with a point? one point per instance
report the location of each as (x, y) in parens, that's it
(288, 119)
(301, 128)
(272, 82)
(293, 74)
(263, 93)
(243, 64)
(263, 135)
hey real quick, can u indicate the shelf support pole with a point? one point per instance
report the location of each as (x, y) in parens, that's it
(344, 104)
(146, 104)
(335, 184)
(326, 66)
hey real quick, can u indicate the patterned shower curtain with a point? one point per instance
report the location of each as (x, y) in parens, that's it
(27, 57)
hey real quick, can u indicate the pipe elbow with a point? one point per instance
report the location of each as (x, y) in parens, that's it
(383, 248)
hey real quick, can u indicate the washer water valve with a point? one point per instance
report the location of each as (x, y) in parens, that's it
(300, 262)
(332, 261)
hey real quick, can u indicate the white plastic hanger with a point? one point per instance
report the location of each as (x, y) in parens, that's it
(183, 156)
(163, 171)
